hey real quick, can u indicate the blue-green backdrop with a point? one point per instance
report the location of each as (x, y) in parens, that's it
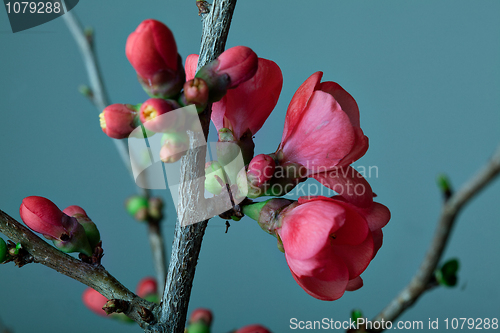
(426, 76)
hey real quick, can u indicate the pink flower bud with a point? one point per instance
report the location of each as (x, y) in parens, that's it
(43, 216)
(147, 286)
(231, 68)
(196, 92)
(174, 146)
(94, 301)
(152, 51)
(89, 226)
(151, 48)
(260, 169)
(156, 116)
(118, 120)
(255, 328)
(240, 63)
(201, 314)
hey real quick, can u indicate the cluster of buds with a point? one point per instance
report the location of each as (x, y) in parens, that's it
(95, 302)
(71, 230)
(143, 209)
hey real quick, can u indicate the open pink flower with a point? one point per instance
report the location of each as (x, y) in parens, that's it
(328, 243)
(249, 105)
(322, 133)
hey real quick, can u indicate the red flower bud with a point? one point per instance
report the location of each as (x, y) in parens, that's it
(260, 169)
(152, 51)
(147, 286)
(94, 301)
(201, 314)
(118, 120)
(156, 116)
(255, 328)
(196, 92)
(231, 68)
(43, 216)
(240, 63)
(93, 235)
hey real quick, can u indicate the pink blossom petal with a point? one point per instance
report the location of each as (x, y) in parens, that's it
(307, 228)
(299, 102)
(359, 148)
(378, 237)
(345, 100)
(190, 66)
(327, 285)
(349, 184)
(323, 137)
(354, 284)
(377, 216)
(354, 231)
(250, 104)
(356, 257)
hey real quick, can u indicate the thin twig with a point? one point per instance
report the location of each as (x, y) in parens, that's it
(420, 282)
(99, 98)
(188, 237)
(94, 276)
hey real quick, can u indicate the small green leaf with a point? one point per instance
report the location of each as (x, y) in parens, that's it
(3, 250)
(447, 274)
(356, 314)
(198, 327)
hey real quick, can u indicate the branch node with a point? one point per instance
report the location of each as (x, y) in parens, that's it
(146, 315)
(116, 305)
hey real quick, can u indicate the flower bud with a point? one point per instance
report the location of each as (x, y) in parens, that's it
(137, 206)
(94, 301)
(43, 216)
(156, 116)
(118, 120)
(196, 92)
(174, 146)
(201, 314)
(93, 235)
(152, 51)
(255, 328)
(215, 178)
(234, 66)
(155, 208)
(148, 289)
(260, 170)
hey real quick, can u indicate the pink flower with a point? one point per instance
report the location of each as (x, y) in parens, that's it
(118, 120)
(246, 107)
(201, 314)
(43, 216)
(255, 328)
(147, 286)
(94, 301)
(156, 116)
(328, 243)
(322, 132)
(152, 51)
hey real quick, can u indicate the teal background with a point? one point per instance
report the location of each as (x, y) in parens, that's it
(426, 76)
